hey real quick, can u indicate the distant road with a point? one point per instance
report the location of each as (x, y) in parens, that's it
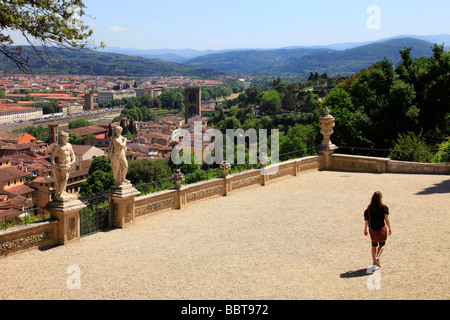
(101, 118)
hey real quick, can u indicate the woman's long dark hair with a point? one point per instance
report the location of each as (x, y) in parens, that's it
(376, 201)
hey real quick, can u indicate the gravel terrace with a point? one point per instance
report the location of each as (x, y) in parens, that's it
(297, 238)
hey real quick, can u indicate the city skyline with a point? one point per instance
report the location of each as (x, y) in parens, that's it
(207, 25)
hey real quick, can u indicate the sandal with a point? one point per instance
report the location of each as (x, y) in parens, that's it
(377, 263)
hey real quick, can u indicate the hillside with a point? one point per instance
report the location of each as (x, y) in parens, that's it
(302, 61)
(353, 60)
(285, 61)
(87, 62)
(251, 61)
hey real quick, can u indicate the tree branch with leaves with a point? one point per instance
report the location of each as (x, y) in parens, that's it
(44, 24)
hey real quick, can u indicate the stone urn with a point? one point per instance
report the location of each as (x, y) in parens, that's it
(263, 159)
(178, 177)
(225, 167)
(327, 123)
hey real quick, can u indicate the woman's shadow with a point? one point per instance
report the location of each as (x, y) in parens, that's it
(359, 273)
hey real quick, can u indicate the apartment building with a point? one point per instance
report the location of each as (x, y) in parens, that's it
(107, 96)
(16, 113)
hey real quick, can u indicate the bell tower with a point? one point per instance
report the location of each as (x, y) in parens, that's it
(53, 132)
(192, 102)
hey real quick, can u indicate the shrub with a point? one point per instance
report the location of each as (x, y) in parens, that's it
(411, 147)
(443, 155)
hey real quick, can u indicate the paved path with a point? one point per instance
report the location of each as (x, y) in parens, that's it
(298, 238)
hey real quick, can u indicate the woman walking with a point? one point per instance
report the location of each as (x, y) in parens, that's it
(376, 217)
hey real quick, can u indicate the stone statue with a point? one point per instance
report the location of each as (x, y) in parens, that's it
(117, 152)
(62, 159)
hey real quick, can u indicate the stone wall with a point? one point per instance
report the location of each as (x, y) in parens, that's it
(341, 162)
(36, 235)
(418, 168)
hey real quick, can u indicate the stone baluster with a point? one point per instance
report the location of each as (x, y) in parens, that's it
(178, 177)
(225, 167)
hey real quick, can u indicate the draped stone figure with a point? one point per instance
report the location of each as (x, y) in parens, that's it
(62, 160)
(117, 152)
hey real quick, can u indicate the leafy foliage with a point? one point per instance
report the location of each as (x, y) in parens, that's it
(443, 155)
(411, 147)
(39, 132)
(79, 123)
(46, 23)
(48, 107)
(300, 141)
(76, 139)
(145, 171)
(100, 178)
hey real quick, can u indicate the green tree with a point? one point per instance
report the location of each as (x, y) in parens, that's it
(308, 101)
(100, 177)
(350, 121)
(97, 183)
(132, 127)
(110, 131)
(172, 99)
(47, 107)
(270, 102)
(39, 132)
(146, 171)
(124, 127)
(387, 101)
(430, 80)
(75, 139)
(100, 164)
(79, 123)
(43, 24)
(276, 82)
(229, 123)
(300, 141)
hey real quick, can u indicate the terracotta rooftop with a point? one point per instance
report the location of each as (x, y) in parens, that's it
(82, 132)
(44, 180)
(13, 136)
(81, 149)
(10, 173)
(20, 190)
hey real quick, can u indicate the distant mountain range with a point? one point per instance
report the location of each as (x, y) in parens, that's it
(302, 61)
(88, 62)
(184, 55)
(340, 58)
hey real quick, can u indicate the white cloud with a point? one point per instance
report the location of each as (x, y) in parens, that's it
(140, 34)
(217, 42)
(116, 29)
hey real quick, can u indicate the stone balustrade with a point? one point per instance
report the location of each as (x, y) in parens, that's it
(126, 207)
(50, 233)
(177, 198)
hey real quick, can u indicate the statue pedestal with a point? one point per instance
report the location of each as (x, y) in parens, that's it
(327, 151)
(67, 212)
(122, 202)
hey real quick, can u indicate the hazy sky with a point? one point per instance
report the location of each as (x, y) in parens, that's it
(230, 24)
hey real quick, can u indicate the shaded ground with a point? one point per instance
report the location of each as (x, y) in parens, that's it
(297, 238)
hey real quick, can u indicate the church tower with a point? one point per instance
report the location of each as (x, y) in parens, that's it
(53, 133)
(192, 102)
